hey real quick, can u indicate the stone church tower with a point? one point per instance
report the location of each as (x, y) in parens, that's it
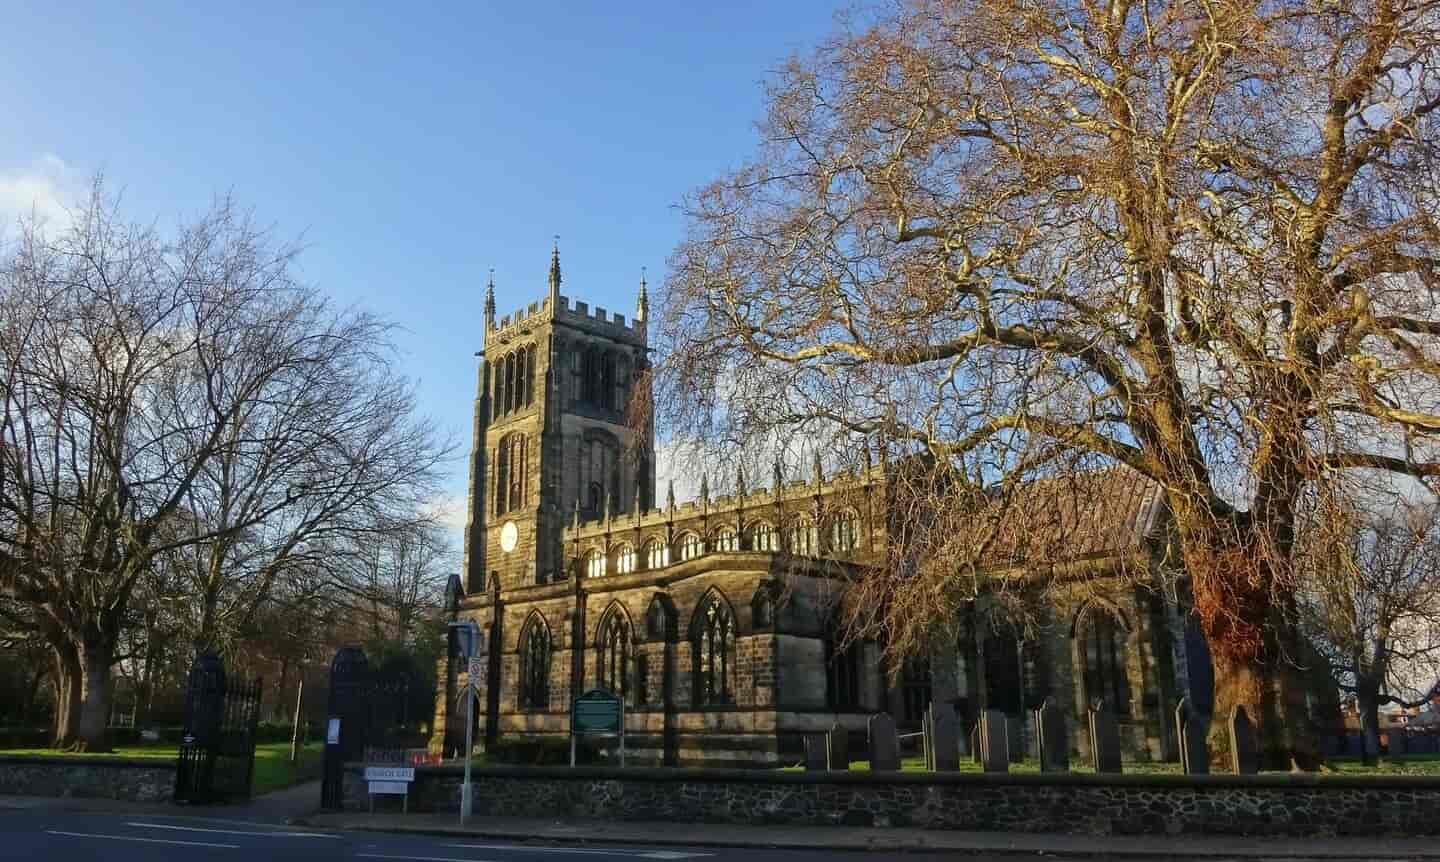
(550, 439)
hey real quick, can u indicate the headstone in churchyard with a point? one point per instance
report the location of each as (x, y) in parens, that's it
(815, 751)
(1051, 739)
(944, 738)
(837, 748)
(994, 741)
(1244, 750)
(975, 743)
(1194, 747)
(1104, 739)
(884, 744)
(1398, 743)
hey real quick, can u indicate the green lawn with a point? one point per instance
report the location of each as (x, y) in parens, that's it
(273, 769)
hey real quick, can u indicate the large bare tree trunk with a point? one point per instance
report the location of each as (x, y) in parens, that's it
(94, 735)
(67, 694)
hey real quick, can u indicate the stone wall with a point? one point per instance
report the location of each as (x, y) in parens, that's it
(135, 779)
(1134, 805)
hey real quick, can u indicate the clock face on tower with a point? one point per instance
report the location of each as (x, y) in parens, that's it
(509, 536)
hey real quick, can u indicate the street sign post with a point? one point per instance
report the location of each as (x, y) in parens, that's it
(471, 642)
(597, 712)
(389, 781)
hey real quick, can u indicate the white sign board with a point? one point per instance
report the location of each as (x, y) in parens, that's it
(332, 732)
(375, 774)
(378, 788)
(476, 669)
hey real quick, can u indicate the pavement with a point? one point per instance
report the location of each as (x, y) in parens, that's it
(286, 826)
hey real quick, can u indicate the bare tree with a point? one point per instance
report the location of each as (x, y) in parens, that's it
(1025, 238)
(1370, 600)
(135, 370)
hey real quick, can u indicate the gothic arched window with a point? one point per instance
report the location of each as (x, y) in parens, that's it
(509, 383)
(510, 467)
(625, 560)
(607, 381)
(842, 665)
(657, 554)
(802, 538)
(691, 547)
(534, 689)
(656, 619)
(1101, 647)
(1004, 673)
(726, 540)
(595, 564)
(497, 388)
(529, 375)
(762, 537)
(714, 649)
(842, 532)
(612, 653)
(915, 689)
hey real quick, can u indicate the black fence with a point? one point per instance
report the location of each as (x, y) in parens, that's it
(369, 708)
(216, 762)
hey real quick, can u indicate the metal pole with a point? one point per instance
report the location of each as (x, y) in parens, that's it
(295, 727)
(465, 797)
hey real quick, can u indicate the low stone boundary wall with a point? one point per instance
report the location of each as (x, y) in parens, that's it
(140, 779)
(1274, 805)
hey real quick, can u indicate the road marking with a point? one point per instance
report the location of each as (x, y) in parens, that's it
(145, 840)
(632, 853)
(416, 858)
(233, 831)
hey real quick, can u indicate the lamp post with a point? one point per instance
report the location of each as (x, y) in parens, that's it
(471, 644)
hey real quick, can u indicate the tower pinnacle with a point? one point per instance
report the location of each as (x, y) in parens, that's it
(642, 303)
(555, 276)
(490, 300)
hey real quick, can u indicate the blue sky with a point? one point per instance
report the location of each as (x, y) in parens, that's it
(415, 146)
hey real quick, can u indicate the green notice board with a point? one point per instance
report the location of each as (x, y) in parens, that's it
(597, 711)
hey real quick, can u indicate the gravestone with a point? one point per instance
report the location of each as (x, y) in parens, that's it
(837, 748)
(1244, 749)
(975, 743)
(994, 741)
(1194, 747)
(815, 751)
(1399, 746)
(1051, 740)
(944, 740)
(884, 744)
(1104, 739)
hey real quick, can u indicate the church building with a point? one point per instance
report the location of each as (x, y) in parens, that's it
(715, 619)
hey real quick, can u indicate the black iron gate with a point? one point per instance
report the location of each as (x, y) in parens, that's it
(216, 762)
(370, 712)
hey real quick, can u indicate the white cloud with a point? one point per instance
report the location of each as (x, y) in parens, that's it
(449, 510)
(41, 188)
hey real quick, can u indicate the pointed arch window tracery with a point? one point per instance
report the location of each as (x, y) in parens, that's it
(714, 650)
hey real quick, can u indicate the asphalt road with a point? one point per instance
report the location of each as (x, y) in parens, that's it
(40, 834)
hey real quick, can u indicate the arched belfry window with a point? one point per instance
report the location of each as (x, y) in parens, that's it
(529, 375)
(1100, 644)
(714, 651)
(510, 470)
(612, 652)
(534, 685)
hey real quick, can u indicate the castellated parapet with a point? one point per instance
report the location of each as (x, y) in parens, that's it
(578, 314)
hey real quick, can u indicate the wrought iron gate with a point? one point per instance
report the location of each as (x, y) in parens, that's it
(369, 709)
(216, 762)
